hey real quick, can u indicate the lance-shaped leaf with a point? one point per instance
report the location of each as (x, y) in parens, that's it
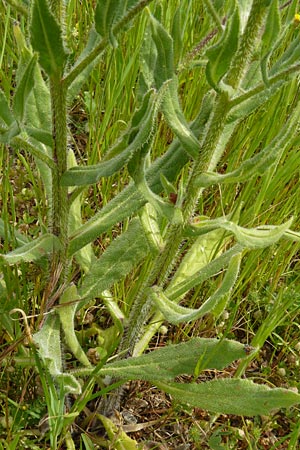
(185, 358)
(232, 396)
(245, 104)
(251, 238)
(7, 134)
(175, 313)
(34, 250)
(143, 124)
(5, 233)
(106, 14)
(205, 248)
(289, 57)
(149, 221)
(116, 262)
(137, 169)
(258, 164)
(176, 120)
(24, 88)
(49, 348)
(130, 199)
(210, 270)
(6, 115)
(46, 39)
(220, 54)
(161, 59)
(49, 343)
(270, 37)
(66, 310)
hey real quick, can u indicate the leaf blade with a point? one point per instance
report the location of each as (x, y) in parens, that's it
(232, 396)
(46, 39)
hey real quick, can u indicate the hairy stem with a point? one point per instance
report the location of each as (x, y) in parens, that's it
(59, 213)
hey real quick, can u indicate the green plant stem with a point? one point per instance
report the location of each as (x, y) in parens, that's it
(158, 273)
(247, 44)
(59, 202)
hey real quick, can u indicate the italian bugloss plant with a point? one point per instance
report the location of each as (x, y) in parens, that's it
(35, 119)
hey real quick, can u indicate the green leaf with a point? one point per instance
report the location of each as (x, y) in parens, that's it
(149, 221)
(5, 113)
(34, 250)
(205, 248)
(168, 362)
(164, 64)
(245, 104)
(220, 55)
(118, 437)
(258, 164)
(106, 14)
(251, 238)
(85, 256)
(141, 131)
(232, 396)
(16, 236)
(80, 80)
(158, 69)
(46, 39)
(137, 169)
(272, 28)
(289, 57)
(49, 343)
(270, 37)
(68, 304)
(24, 88)
(175, 313)
(49, 349)
(7, 134)
(124, 253)
(210, 270)
(130, 199)
(176, 120)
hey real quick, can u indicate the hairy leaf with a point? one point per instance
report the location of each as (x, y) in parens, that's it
(116, 262)
(68, 303)
(106, 14)
(232, 396)
(23, 89)
(149, 221)
(5, 114)
(259, 163)
(46, 39)
(168, 362)
(270, 36)
(32, 251)
(250, 238)
(48, 340)
(220, 54)
(175, 313)
(132, 140)
(161, 61)
(130, 199)
(211, 269)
